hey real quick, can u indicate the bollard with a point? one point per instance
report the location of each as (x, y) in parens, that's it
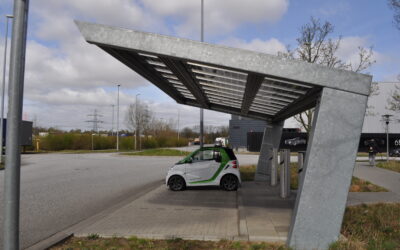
(287, 166)
(285, 174)
(274, 167)
(300, 162)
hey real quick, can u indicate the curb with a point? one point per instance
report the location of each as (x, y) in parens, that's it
(242, 223)
(53, 240)
(69, 232)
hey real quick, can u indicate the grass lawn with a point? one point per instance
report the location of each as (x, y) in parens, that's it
(94, 242)
(159, 152)
(85, 151)
(390, 165)
(365, 227)
(357, 185)
(371, 227)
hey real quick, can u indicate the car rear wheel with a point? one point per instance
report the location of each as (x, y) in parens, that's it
(229, 182)
(176, 183)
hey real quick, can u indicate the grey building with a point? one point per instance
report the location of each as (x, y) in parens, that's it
(239, 127)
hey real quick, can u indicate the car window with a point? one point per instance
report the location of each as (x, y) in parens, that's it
(230, 153)
(204, 155)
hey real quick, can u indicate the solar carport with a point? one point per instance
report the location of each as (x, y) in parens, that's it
(264, 87)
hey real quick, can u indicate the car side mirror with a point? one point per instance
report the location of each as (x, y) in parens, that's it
(218, 158)
(190, 160)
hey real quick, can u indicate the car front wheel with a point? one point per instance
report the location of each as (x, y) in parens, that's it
(176, 183)
(229, 182)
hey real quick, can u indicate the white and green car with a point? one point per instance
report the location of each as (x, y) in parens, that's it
(208, 166)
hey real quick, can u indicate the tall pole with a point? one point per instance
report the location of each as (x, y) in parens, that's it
(178, 125)
(14, 119)
(201, 109)
(387, 141)
(8, 17)
(118, 117)
(112, 120)
(386, 119)
(136, 121)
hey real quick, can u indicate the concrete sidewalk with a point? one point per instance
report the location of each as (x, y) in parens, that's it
(381, 177)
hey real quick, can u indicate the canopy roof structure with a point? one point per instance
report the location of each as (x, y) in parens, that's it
(269, 88)
(219, 78)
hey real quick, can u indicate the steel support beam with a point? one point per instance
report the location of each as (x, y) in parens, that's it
(187, 79)
(301, 105)
(253, 84)
(133, 61)
(271, 139)
(330, 158)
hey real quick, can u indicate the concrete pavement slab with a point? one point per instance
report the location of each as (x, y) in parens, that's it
(267, 215)
(254, 213)
(206, 214)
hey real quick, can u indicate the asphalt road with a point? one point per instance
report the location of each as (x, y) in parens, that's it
(59, 190)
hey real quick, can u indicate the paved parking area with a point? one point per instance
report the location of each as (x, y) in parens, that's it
(203, 214)
(253, 213)
(265, 216)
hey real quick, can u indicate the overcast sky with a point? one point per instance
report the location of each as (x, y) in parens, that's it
(66, 78)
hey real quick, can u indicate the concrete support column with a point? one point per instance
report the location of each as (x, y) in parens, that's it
(328, 168)
(271, 139)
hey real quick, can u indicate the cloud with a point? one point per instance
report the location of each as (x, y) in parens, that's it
(76, 64)
(55, 20)
(270, 46)
(220, 17)
(69, 108)
(66, 78)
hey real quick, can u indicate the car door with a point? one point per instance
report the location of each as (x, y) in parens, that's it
(203, 166)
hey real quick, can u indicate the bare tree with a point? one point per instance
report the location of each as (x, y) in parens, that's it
(395, 5)
(394, 100)
(138, 118)
(315, 46)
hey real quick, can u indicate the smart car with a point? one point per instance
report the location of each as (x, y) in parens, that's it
(208, 166)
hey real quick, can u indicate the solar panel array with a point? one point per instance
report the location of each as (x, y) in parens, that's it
(227, 87)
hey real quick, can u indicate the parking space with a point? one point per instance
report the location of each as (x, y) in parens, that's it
(208, 214)
(253, 213)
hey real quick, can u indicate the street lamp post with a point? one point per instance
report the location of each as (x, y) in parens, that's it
(112, 120)
(8, 17)
(12, 170)
(386, 119)
(201, 109)
(178, 125)
(118, 117)
(136, 121)
(92, 142)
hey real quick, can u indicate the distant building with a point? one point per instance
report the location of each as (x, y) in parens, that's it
(373, 123)
(238, 128)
